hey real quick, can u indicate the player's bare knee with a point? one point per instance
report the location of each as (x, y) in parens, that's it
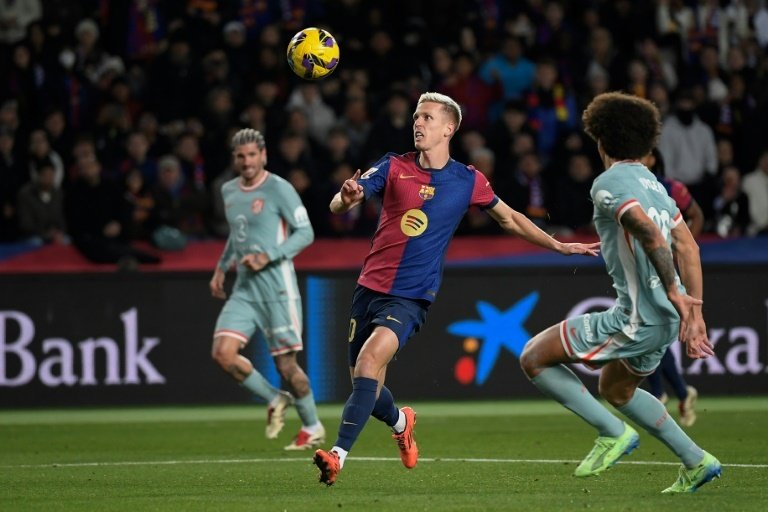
(529, 362)
(222, 357)
(615, 395)
(287, 370)
(367, 366)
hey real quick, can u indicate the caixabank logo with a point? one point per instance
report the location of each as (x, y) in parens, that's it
(497, 329)
(57, 361)
(485, 338)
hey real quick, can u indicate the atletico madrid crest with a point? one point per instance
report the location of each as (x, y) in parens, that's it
(257, 205)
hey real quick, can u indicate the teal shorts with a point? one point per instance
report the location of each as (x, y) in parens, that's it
(598, 338)
(279, 322)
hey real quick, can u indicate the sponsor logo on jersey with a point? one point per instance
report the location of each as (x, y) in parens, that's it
(413, 222)
(604, 199)
(367, 173)
(300, 216)
(426, 192)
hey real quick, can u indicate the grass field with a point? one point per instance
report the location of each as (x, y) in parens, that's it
(474, 456)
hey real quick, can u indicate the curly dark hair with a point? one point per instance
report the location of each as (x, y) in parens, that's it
(626, 126)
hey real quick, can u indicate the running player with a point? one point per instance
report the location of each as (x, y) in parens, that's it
(637, 223)
(268, 227)
(424, 196)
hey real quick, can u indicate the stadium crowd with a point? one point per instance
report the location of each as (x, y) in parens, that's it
(115, 117)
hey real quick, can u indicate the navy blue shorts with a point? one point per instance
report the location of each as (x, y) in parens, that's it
(369, 309)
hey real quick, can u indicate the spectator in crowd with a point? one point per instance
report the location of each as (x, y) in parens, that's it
(306, 97)
(528, 192)
(603, 57)
(637, 79)
(19, 82)
(41, 152)
(174, 80)
(96, 218)
(41, 208)
(180, 204)
(552, 110)
(730, 206)
(113, 124)
(141, 217)
(337, 151)
(570, 204)
(510, 68)
(392, 129)
(755, 186)
(15, 17)
(193, 168)
(13, 175)
(441, 65)
(660, 67)
(512, 122)
(91, 61)
(688, 148)
(137, 157)
(293, 152)
(236, 49)
(74, 93)
(59, 136)
(473, 95)
(358, 125)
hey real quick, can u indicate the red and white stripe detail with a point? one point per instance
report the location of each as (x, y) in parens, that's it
(621, 210)
(229, 333)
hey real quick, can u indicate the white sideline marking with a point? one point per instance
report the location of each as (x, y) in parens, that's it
(309, 461)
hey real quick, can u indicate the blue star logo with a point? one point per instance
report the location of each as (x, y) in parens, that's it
(497, 329)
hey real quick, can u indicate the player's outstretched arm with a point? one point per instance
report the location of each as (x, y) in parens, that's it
(350, 195)
(516, 223)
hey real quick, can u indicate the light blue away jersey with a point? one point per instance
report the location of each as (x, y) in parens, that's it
(625, 185)
(267, 217)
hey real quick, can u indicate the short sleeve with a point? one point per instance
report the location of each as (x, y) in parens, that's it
(482, 192)
(613, 197)
(374, 179)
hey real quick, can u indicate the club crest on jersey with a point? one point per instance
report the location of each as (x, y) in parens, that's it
(426, 192)
(257, 205)
(413, 222)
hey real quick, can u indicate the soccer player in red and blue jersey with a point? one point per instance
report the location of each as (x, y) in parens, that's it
(424, 195)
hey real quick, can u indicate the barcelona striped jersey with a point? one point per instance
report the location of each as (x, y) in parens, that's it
(421, 209)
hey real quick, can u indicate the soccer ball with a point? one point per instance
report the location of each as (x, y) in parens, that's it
(313, 53)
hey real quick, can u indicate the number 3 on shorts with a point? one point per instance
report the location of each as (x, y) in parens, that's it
(352, 327)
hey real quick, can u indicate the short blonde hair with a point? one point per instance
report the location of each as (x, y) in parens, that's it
(246, 136)
(450, 106)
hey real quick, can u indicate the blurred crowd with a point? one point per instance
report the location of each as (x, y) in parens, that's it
(115, 116)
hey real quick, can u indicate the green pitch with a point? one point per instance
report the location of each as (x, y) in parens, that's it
(474, 456)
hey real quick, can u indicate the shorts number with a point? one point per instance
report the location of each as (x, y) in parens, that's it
(352, 327)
